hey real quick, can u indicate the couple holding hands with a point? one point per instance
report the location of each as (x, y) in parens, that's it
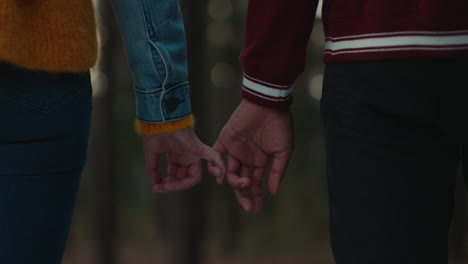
(393, 107)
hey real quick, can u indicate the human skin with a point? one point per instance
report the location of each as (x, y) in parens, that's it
(184, 152)
(253, 137)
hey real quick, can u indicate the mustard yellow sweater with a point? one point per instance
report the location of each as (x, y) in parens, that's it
(50, 35)
(57, 36)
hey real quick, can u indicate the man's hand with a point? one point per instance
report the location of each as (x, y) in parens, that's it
(184, 151)
(252, 137)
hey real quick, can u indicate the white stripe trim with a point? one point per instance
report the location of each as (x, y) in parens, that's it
(395, 49)
(434, 33)
(267, 98)
(266, 90)
(267, 83)
(161, 97)
(163, 93)
(393, 42)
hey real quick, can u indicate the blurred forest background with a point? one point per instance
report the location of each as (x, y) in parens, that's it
(119, 220)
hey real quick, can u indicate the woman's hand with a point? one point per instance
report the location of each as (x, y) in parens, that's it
(184, 152)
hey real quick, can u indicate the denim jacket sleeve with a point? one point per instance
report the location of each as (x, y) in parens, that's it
(154, 37)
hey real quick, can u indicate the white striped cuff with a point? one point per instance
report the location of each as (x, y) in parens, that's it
(398, 41)
(265, 90)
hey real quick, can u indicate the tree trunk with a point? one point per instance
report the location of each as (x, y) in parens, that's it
(457, 232)
(105, 172)
(185, 213)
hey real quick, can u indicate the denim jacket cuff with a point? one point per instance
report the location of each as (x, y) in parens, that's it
(163, 105)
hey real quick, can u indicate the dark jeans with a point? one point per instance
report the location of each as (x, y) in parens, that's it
(395, 132)
(45, 121)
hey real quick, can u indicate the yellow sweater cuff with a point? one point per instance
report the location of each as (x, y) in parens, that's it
(143, 128)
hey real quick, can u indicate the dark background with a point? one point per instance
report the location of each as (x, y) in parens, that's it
(119, 220)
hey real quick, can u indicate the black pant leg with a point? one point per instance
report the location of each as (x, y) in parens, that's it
(391, 160)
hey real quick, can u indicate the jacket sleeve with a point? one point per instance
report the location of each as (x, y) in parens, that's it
(154, 38)
(276, 36)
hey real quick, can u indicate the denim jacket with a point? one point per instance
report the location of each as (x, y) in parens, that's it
(154, 37)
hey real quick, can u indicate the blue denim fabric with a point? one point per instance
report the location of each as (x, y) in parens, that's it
(154, 36)
(45, 120)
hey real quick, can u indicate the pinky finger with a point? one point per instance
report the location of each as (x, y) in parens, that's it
(244, 201)
(217, 172)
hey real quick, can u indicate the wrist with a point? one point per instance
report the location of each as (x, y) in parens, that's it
(260, 108)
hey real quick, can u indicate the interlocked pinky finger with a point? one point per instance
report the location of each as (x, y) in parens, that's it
(243, 200)
(233, 174)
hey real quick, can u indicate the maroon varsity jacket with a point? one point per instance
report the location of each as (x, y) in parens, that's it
(277, 32)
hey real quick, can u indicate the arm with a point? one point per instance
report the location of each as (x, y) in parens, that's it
(154, 37)
(276, 36)
(260, 131)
